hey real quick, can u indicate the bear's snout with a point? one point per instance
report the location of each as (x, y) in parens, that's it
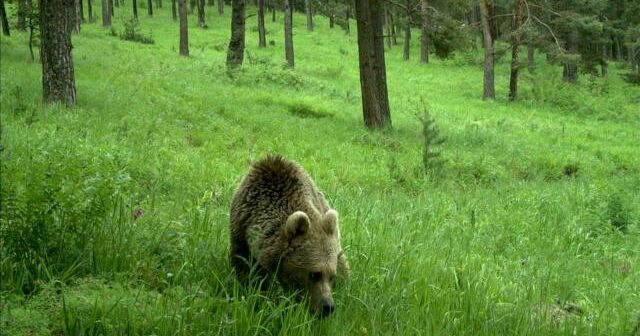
(326, 307)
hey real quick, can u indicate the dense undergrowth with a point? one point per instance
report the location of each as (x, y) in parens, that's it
(114, 212)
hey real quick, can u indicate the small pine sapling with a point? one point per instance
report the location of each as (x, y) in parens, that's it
(431, 159)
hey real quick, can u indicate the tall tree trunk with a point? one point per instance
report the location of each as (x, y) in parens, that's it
(273, 12)
(388, 24)
(288, 33)
(159, 4)
(515, 64)
(221, 7)
(150, 7)
(235, 53)
(424, 39)
(174, 10)
(531, 63)
(3, 17)
(184, 28)
(210, 2)
(373, 79)
(489, 91)
(347, 16)
(201, 22)
(56, 23)
(106, 14)
(134, 4)
(110, 5)
(90, 10)
(308, 11)
(262, 39)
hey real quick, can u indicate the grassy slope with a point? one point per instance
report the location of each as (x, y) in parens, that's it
(480, 248)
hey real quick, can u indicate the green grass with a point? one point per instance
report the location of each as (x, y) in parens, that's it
(536, 202)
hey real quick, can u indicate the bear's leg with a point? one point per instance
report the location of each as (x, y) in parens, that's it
(240, 256)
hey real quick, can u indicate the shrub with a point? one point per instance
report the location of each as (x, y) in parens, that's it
(132, 33)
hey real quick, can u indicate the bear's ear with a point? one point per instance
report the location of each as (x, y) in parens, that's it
(297, 224)
(330, 221)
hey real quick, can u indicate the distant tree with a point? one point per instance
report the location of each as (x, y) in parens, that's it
(77, 15)
(3, 17)
(235, 53)
(515, 45)
(489, 91)
(262, 39)
(56, 23)
(288, 33)
(134, 4)
(184, 29)
(373, 78)
(106, 14)
(90, 10)
(201, 22)
(220, 7)
(309, 12)
(110, 6)
(174, 10)
(150, 7)
(425, 31)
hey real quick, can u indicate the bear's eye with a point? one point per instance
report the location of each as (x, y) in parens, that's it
(315, 276)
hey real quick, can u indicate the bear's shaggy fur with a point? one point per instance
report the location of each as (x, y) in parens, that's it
(280, 221)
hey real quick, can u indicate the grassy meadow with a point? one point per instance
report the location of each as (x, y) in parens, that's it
(114, 213)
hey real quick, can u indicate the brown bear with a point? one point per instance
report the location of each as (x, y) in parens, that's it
(281, 223)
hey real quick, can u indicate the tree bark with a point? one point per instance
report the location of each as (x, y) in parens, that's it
(56, 23)
(373, 80)
(77, 15)
(201, 22)
(134, 4)
(424, 39)
(489, 91)
(262, 39)
(150, 7)
(174, 10)
(288, 33)
(90, 10)
(515, 64)
(221, 7)
(3, 17)
(184, 28)
(307, 9)
(235, 53)
(106, 14)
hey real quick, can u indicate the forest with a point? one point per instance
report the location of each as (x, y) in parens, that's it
(483, 156)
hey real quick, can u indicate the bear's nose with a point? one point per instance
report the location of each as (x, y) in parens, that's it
(327, 307)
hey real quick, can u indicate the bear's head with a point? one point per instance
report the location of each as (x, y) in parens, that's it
(312, 259)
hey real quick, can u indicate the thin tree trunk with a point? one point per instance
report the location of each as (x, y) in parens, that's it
(273, 13)
(388, 24)
(184, 28)
(424, 39)
(110, 5)
(201, 22)
(56, 23)
(394, 36)
(515, 64)
(262, 39)
(106, 14)
(373, 80)
(221, 7)
(235, 53)
(210, 2)
(134, 4)
(288, 33)
(489, 91)
(307, 9)
(347, 15)
(81, 12)
(570, 68)
(3, 17)
(90, 9)
(150, 7)
(174, 10)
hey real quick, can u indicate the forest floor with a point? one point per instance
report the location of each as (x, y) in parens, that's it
(115, 212)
